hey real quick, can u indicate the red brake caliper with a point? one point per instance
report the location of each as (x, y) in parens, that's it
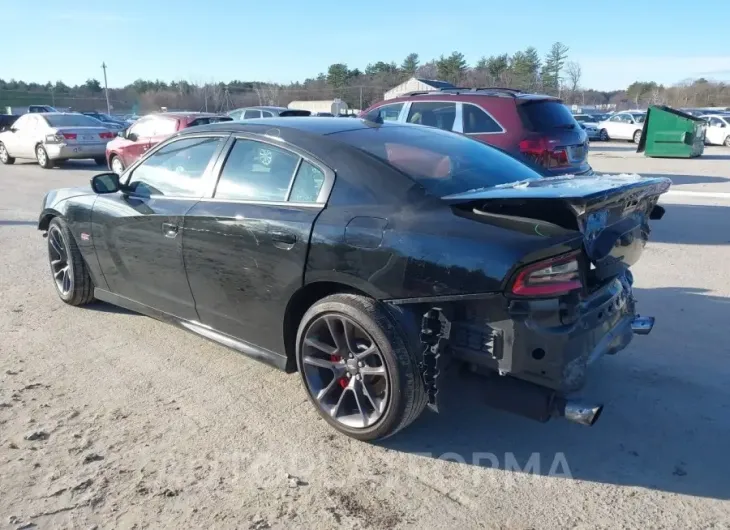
(343, 380)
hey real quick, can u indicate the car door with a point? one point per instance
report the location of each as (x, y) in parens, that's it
(137, 140)
(614, 126)
(12, 139)
(136, 232)
(163, 127)
(245, 247)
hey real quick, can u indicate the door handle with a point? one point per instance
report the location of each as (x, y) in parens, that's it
(169, 229)
(283, 237)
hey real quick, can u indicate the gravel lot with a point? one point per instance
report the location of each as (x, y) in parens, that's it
(113, 419)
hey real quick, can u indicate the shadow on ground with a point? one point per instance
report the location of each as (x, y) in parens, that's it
(69, 165)
(666, 422)
(14, 222)
(715, 157)
(691, 224)
(597, 147)
(103, 307)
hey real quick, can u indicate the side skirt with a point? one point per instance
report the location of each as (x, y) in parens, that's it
(260, 354)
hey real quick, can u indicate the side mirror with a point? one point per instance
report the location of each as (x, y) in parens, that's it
(132, 137)
(12, 129)
(105, 183)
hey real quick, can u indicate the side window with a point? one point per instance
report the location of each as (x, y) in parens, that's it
(387, 112)
(478, 121)
(307, 184)
(236, 114)
(251, 113)
(164, 127)
(21, 124)
(715, 122)
(618, 118)
(176, 170)
(267, 114)
(256, 171)
(143, 128)
(434, 114)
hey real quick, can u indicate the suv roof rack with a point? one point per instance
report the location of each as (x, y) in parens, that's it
(492, 91)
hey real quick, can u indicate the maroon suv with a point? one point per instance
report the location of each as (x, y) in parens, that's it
(532, 127)
(149, 131)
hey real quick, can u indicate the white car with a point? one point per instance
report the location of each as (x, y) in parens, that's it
(589, 125)
(623, 126)
(54, 137)
(718, 129)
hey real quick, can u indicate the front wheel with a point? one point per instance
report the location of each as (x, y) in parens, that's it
(357, 367)
(604, 135)
(68, 269)
(5, 158)
(727, 141)
(116, 165)
(42, 157)
(637, 137)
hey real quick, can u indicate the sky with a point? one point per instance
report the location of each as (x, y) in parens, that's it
(616, 43)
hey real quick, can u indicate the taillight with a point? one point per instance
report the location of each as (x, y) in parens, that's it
(69, 136)
(550, 277)
(106, 135)
(544, 152)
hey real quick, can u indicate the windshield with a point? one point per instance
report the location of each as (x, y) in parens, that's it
(442, 162)
(639, 117)
(70, 120)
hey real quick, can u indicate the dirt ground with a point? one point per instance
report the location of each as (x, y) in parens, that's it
(109, 419)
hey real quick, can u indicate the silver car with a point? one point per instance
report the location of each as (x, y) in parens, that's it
(53, 137)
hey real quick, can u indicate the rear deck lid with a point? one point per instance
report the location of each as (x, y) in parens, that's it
(611, 211)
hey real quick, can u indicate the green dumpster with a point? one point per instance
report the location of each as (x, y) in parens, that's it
(672, 133)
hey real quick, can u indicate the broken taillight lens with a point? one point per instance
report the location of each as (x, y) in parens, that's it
(550, 277)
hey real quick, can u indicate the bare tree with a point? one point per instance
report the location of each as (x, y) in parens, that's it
(573, 72)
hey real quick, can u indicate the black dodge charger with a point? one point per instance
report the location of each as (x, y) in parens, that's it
(366, 256)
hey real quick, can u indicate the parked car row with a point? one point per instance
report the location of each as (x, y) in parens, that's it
(718, 129)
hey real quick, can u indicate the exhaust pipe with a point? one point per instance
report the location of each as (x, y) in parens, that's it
(579, 412)
(642, 325)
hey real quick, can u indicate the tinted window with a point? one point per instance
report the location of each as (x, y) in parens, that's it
(294, 112)
(307, 184)
(249, 114)
(256, 171)
(433, 114)
(444, 163)
(267, 114)
(478, 121)
(175, 170)
(639, 118)
(386, 112)
(70, 120)
(209, 120)
(545, 115)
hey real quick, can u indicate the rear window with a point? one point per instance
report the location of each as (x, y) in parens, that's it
(209, 120)
(294, 112)
(71, 120)
(541, 116)
(442, 162)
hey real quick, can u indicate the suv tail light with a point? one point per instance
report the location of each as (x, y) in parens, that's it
(550, 277)
(542, 151)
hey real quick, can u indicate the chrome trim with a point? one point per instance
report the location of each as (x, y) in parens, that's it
(584, 414)
(316, 205)
(294, 177)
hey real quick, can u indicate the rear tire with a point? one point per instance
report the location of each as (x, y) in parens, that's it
(5, 158)
(637, 137)
(727, 141)
(68, 268)
(42, 157)
(100, 161)
(116, 164)
(371, 329)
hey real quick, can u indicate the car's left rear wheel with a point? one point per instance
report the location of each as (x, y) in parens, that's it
(68, 269)
(637, 137)
(358, 368)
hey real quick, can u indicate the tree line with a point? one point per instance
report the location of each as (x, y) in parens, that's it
(553, 74)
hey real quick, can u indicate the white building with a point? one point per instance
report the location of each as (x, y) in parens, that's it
(415, 84)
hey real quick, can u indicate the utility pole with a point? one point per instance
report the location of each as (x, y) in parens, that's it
(360, 98)
(106, 90)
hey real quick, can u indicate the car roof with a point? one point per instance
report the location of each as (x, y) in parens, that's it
(308, 124)
(183, 114)
(458, 93)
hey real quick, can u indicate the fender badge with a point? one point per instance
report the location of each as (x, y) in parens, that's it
(85, 236)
